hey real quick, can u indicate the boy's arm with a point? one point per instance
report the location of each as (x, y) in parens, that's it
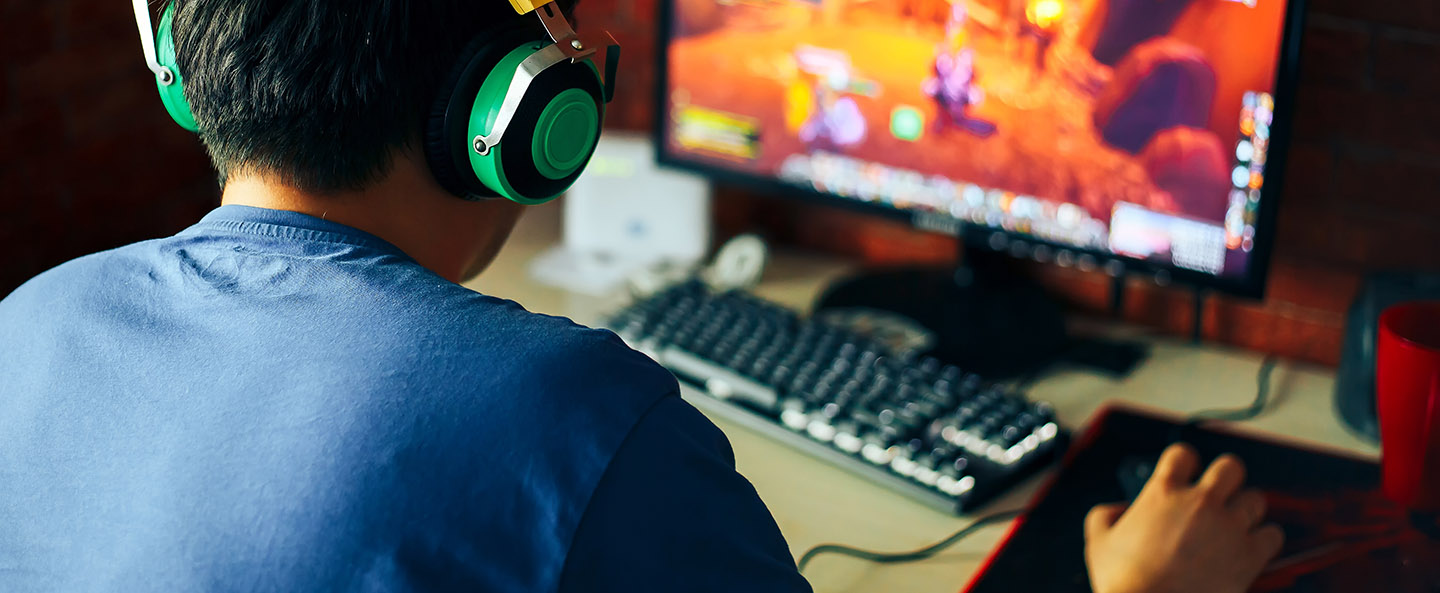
(671, 514)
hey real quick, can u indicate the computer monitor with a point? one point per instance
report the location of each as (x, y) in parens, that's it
(1144, 136)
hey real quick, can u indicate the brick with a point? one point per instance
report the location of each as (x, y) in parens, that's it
(1324, 289)
(1366, 118)
(876, 241)
(1168, 309)
(9, 8)
(164, 213)
(889, 244)
(1271, 328)
(1311, 232)
(1422, 15)
(1335, 52)
(15, 194)
(633, 107)
(19, 267)
(1146, 303)
(104, 224)
(1400, 123)
(78, 68)
(1077, 290)
(1322, 113)
(90, 20)
(185, 206)
(43, 237)
(735, 211)
(643, 12)
(132, 168)
(1408, 63)
(630, 21)
(7, 98)
(29, 32)
(611, 14)
(1403, 187)
(24, 191)
(37, 131)
(50, 175)
(129, 174)
(120, 105)
(1309, 173)
(1356, 235)
(599, 14)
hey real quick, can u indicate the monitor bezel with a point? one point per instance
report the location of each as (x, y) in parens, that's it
(1251, 284)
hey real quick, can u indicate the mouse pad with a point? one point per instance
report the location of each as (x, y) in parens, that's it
(1341, 534)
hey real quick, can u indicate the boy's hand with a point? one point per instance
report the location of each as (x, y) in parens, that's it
(1182, 537)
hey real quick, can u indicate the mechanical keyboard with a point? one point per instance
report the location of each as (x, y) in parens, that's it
(929, 430)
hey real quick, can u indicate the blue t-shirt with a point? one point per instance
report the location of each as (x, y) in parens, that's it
(272, 402)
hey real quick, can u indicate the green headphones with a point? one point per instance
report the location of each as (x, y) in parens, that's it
(518, 117)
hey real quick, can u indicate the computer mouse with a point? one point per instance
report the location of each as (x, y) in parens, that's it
(1133, 472)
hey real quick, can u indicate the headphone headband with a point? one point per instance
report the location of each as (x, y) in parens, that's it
(147, 41)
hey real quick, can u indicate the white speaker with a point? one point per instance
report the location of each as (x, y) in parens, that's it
(624, 214)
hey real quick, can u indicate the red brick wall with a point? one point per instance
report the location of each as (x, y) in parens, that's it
(88, 161)
(1362, 191)
(88, 158)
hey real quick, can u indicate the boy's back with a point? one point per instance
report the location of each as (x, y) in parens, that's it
(268, 401)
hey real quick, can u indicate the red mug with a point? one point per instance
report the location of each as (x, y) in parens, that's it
(1407, 388)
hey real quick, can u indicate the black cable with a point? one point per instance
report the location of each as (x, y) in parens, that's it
(920, 554)
(1262, 397)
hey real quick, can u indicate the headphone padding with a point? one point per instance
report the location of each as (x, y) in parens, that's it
(446, 145)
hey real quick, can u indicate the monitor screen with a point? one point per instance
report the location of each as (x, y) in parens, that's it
(1137, 131)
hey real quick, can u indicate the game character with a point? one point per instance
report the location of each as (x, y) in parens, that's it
(834, 121)
(1041, 23)
(1164, 83)
(1129, 23)
(953, 86)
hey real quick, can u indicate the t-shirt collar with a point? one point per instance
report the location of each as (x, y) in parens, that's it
(285, 224)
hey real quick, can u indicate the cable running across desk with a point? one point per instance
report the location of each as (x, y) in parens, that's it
(920, 554)
(1262, 398)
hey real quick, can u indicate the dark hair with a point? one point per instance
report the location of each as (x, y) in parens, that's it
(322, 93)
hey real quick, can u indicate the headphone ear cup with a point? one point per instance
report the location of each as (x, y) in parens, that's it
(446, 143)
(552, 135)
(438, 150)
(172, 91)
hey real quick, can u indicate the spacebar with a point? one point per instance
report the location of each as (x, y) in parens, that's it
(720, 381)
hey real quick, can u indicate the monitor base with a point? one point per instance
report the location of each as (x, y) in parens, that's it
(986, 317)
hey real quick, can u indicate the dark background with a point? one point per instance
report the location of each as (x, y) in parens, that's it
(90, 161)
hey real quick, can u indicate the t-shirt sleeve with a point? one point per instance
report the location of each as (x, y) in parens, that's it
(672, 514)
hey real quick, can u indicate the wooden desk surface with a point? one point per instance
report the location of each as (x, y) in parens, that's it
(815, 503)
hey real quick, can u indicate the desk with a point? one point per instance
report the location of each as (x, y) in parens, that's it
(815, 503)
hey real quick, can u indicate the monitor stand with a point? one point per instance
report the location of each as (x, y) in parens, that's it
(986, 316)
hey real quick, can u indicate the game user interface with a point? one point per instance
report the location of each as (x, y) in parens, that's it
(1134, 127)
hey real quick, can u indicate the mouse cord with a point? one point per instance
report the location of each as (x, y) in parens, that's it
(919, 554)
(1262, 397)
